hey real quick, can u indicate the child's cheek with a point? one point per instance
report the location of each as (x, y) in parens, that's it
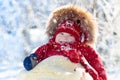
(57, 39)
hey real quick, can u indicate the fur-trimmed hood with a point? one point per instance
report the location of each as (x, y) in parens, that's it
(87, 22)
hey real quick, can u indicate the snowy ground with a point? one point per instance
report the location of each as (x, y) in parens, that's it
(22, 26)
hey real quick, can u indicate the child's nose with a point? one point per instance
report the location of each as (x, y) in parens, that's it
(66, 37)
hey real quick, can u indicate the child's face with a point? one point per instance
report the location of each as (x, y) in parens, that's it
(64, 37)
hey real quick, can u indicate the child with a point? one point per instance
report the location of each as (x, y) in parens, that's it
(71, 33)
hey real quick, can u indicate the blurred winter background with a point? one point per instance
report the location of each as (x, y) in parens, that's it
(22, 28)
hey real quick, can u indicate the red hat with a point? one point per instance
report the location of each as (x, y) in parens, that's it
(70, 27)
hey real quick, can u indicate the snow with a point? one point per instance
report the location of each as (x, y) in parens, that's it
(22, 28)
(60, 69)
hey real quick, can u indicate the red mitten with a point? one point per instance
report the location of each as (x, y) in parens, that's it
(88, 67)
(72, 55)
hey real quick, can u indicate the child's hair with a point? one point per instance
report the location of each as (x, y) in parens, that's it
(72, 12)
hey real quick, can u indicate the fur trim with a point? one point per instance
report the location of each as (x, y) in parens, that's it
(74, 13)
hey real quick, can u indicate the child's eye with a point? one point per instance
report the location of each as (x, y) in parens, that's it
(62, 33)
(70, 35)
